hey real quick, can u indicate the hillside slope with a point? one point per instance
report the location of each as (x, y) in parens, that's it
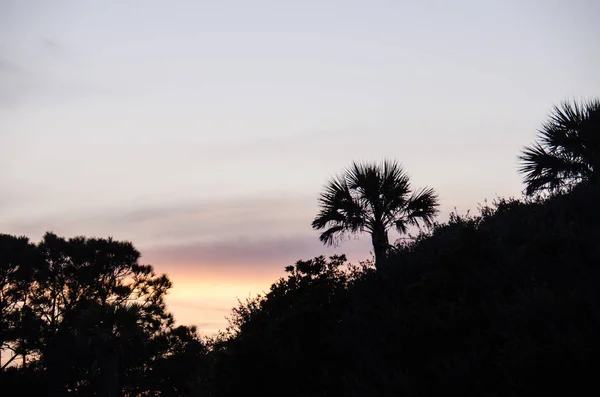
(504, 303)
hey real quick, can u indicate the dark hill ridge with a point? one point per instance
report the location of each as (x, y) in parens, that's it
(504, 303)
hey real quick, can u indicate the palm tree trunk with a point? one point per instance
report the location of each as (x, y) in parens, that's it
(380, 246)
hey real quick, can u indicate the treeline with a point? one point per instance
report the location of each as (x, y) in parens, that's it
(83, 317)
(502, 303)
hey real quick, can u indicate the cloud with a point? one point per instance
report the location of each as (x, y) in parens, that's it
(46, 72)
(175, 222)
(51, 45)
(16, 82)
(9, 67)
(246, 253)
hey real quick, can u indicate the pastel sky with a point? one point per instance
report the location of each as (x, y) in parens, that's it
(203, 131)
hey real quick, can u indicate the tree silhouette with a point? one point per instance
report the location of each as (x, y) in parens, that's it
(83, 316)
(373, 198)
(101, 310)
(567, 151)
(182, 364)
(19, 325)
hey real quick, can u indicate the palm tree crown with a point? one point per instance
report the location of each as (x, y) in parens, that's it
(567, 151)
(372, 197)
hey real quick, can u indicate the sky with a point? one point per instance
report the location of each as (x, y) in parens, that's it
(203, 131)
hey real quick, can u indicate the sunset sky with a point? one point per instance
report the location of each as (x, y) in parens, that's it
(203, 131)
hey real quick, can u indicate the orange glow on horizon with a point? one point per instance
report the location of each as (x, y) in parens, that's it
(205, 298)
(204, 294)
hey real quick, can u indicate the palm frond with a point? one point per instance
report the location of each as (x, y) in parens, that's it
(567, 150)
(338, 208)
(364, 179)
(422, 207)
(545, 170)
(400, 225)
(394, 181)
(395, 191)
(561, 132)
(332, 235)
(541, 169)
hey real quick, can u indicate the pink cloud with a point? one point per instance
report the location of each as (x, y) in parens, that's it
(244, 254)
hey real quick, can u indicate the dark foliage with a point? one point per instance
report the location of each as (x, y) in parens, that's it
(504, 303)
(567, 150)
(83, 317)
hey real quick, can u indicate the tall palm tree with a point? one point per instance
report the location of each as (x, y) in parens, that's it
(373, 198)
(567, 151)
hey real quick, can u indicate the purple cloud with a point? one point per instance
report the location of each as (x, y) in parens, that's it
(176, 222)
(243, 253)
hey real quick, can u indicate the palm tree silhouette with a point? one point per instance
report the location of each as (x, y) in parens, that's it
(372, 197)
(567, 151)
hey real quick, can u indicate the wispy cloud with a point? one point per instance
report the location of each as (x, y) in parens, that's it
(10, 67)
(230, 255)
(45, 71)
(16, 81)
(51, 45)
(208, 235)
(176, 222)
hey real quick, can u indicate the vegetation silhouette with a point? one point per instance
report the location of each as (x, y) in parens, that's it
(502, 303)
(85, 318)
(373, 198)
(567, 150)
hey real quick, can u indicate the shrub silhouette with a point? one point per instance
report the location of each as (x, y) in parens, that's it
(502, 303)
